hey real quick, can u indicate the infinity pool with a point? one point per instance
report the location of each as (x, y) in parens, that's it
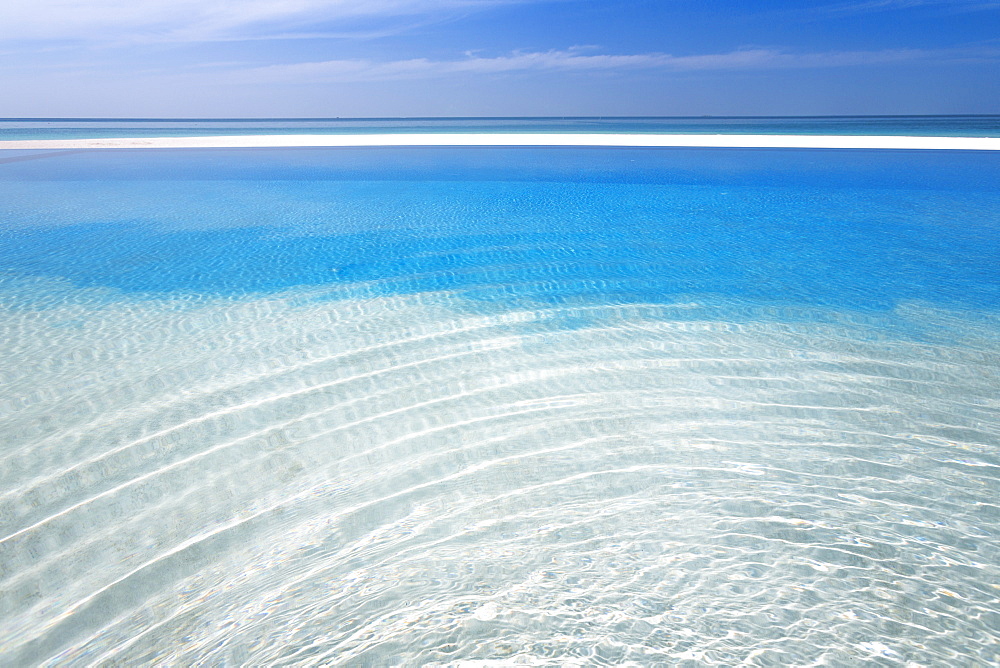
(483, 406)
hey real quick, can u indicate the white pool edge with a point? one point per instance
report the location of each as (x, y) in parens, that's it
(519, 139)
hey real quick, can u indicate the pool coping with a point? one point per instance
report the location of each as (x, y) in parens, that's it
(519, 139)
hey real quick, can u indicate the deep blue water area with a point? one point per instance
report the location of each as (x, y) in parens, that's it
(854, 229)
(83, 128)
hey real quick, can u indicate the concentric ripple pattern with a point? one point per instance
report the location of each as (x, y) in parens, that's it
(411, 480)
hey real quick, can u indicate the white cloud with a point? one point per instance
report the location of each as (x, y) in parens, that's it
(333, 71)
(201, 20)
(866, 6)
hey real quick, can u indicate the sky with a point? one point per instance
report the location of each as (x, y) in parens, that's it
(397, 58)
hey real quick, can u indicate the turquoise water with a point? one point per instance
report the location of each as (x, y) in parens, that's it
(943, 126)
(484, 406)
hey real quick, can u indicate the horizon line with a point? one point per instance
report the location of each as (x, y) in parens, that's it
(472, 118)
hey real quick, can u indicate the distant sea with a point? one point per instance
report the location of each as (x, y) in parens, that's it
(97, 128)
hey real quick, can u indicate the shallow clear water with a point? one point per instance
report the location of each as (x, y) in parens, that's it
(944, 126)
(476, 406)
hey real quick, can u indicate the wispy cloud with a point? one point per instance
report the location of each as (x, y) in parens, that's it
(866, 6)
(332, 71)
(205, 20)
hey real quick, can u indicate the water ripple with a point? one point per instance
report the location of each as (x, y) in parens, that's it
(433, 479)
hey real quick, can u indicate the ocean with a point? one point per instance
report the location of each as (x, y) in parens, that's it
(493, 406)
(89, 128)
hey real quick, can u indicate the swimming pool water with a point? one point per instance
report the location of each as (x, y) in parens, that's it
(472, 406)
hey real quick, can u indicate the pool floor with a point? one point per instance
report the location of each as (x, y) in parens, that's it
(497, 406)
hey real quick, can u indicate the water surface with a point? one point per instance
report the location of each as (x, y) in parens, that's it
(99, 128)
(556, 406)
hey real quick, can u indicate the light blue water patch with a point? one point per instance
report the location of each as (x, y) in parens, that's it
(857, 229)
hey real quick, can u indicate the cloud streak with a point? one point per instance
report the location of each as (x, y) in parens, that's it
(575, 60)
(205, 20)
(867, 6)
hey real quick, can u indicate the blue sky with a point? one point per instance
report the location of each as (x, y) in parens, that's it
(365, 58)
